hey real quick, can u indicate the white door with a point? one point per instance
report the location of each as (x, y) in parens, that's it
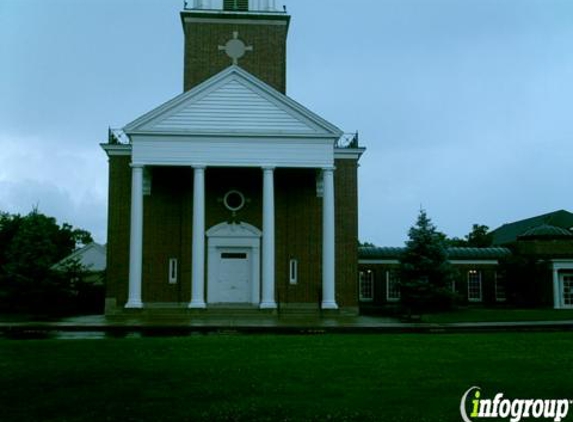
(567, 290)
(232, 283)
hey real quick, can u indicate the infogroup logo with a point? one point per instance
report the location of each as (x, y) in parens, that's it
(514, 409)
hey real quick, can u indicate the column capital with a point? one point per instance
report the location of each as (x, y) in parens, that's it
(269, 168)
(199, 166)
(136, 165)
(328, 168)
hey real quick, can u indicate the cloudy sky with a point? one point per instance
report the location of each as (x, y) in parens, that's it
(465, 106)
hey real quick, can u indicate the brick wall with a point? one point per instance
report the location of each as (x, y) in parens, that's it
(346, 201)
(117, 272)
(168, 228)
(203, 59)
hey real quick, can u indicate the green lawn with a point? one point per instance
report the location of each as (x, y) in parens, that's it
(290, 378)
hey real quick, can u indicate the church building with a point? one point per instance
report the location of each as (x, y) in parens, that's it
(232, 195)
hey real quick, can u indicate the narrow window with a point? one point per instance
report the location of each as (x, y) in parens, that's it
(500, 295)
(240, 5)
(366, 286)
(173, 271)
(392, 286)
(293, 271)
(474, 286)
(232, 255)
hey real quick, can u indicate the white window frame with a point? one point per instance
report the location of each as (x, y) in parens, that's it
(499, 278)
(172, 275)
(366, 277)
(391, 277)
(293, 271)
(470, 274)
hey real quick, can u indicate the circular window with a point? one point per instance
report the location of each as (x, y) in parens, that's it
(234, 200)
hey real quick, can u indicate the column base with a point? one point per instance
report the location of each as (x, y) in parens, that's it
(134, 304)
(268, 305)
(197, 305)
(329, 305)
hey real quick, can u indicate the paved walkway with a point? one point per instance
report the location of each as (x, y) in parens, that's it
(260, 325)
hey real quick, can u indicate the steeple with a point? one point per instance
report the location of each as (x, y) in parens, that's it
(251, 34)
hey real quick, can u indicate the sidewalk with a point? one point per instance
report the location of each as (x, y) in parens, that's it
(262, 325)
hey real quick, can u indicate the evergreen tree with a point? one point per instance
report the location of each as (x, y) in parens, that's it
(425, 272)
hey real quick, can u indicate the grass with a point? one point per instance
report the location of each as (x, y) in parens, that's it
(276, 378)
(499, 315)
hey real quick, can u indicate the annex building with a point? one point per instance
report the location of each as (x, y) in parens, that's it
(530, 264)
(232, 195)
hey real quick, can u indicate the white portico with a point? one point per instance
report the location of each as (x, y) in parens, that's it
(232, 120)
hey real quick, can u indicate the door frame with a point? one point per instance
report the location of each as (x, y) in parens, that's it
(562, 288)
(241, 236)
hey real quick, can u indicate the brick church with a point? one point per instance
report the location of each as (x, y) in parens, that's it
(232, 195)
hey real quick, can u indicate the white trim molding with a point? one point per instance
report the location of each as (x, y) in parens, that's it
(116, 149)
(557, 267)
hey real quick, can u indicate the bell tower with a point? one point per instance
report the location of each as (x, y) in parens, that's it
(251, 34)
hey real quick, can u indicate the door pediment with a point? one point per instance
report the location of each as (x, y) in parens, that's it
(241, 230)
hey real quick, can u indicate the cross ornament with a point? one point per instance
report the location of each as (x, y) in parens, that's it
(235, 48)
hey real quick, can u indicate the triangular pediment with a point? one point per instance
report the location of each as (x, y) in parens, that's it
(233, 102)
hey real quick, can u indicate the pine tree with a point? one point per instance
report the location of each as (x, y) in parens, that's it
(425, 272)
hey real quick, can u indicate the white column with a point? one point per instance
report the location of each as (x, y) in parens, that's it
(136, 238)
(198, 252)
(328, 288)
(556, 289)
(268, 294)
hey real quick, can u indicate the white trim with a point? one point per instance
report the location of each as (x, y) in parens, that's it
(454, 261)
(221, 151)
(235, 21)
(562, 288)
(379, 261)
(480, 279)
(116, 149)
(231, 208)
(208, 135)
(558, 265)
(172, 276)
(498, 277)
(474, 262)
(388, 298)
(293, 271)
(562, 264)
(348, 153)
(366, 277)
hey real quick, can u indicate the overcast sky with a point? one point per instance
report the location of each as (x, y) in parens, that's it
(465, 106)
